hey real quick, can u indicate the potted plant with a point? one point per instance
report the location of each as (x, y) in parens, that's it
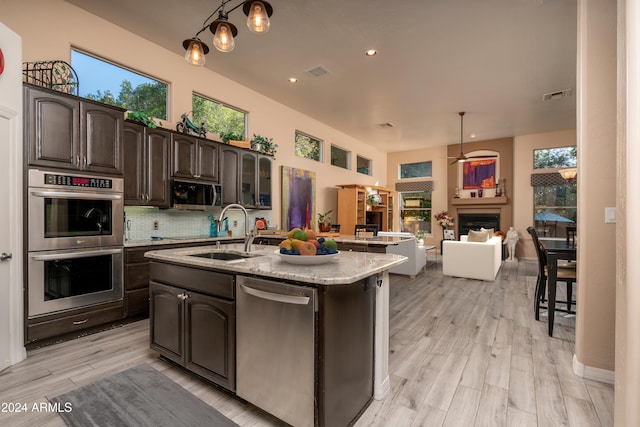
(373, 200)
(142, 117)
(231, 136)
(263, 145)
(324, 222)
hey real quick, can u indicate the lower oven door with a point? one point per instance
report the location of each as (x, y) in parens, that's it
(64, 280)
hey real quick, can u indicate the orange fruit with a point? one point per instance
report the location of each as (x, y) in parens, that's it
(307, 249)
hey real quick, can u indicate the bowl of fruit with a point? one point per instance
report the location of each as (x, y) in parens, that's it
(305, 248)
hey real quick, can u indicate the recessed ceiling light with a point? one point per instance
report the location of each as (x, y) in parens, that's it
(371, 52)
(293, 80)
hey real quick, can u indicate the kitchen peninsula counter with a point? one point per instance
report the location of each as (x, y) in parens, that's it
(248, 313)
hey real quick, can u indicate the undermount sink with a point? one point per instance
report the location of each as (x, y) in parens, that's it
(225, 255)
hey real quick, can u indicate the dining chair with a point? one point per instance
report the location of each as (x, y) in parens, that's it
(567, 275)
(571, 234)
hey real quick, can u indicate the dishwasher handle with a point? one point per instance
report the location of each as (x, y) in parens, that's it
(287, 299)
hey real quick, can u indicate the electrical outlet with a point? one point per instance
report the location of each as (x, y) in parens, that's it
(155, 224)
(235, 222)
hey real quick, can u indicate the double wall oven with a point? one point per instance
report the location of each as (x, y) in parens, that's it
(75, 241)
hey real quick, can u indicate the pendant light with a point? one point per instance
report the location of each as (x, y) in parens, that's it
(224, 32)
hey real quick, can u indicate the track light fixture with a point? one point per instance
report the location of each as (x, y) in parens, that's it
(224, 32)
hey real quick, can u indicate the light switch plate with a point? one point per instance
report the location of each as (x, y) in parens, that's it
(609, 215)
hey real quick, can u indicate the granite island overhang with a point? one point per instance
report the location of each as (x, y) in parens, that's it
(351, 325)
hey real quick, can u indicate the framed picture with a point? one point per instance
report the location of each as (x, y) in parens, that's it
(298, 198)
(479, 174)
(449, 235)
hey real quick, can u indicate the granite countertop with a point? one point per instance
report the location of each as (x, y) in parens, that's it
(350, 238)
(346, 268)
(177, 240)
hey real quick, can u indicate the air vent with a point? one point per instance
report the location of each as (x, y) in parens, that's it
(557, 94)
(318, 71)
(386, 125)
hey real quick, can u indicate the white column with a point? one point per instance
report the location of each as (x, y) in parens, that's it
(381, 385)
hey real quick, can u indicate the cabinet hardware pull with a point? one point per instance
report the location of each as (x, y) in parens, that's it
(5, 256)
(80, 322)
(78, 162)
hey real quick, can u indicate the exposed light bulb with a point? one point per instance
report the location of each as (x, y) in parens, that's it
(195, 54)
(223, 38)
(258, 19)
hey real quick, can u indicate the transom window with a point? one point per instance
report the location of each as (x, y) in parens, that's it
(308, 147)
(340, 157)
(218, 117)
(551, 158)
(363, 165)
(415, 170)
(106, 82)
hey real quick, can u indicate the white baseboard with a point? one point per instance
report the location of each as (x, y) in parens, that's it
(591, 373)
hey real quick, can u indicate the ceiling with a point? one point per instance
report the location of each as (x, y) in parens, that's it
(493, 59)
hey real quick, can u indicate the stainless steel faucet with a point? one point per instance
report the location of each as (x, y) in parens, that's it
(248, 236)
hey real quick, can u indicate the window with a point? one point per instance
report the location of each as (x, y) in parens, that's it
(308, 147)
(340, 157)
(415, 170)
(415, 211)
(549, 158)
(555, 208)
(363, 165)
(554, 199)
(111, 84)
(218, 117)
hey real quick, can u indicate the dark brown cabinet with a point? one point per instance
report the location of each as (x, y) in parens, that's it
(146, 166)
(229, 174)
(191, 328)
(63, 131)
(194, 158)
(246, 178)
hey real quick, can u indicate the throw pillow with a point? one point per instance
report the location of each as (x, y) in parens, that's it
(488, 230)
(477, 236)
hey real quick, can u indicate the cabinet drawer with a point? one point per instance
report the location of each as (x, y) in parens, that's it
(137, 255)
(74, 323)
(208, 282)
(137, 276)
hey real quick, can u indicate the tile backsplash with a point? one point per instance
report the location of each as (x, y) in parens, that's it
(174, 223)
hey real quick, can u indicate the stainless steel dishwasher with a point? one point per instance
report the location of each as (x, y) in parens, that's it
(275, 347)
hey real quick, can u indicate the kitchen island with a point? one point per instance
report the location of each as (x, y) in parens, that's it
(308, 344)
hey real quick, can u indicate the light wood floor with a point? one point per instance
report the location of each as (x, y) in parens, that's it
(463, 353)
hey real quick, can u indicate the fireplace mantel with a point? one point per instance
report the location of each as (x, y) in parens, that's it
(472, 201)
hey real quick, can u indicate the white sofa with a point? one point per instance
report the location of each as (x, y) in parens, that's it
(473, 260)
(409, 248)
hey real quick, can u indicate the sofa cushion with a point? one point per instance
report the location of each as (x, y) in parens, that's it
(477, 236)
(488, 230)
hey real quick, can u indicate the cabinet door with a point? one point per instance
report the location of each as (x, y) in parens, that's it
(133, 159)
(157, 168)
(248, 179)
(101, 143)
(183, 154)
(264, 182)
(229, 166)
(167, 328)
(207, 160)
(52, 129)
(210, 338)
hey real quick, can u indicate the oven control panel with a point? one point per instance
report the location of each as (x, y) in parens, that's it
(77, 181)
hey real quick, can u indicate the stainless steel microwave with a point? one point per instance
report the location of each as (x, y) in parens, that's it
(193, 195)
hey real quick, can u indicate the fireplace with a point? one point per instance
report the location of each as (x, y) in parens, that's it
(475, 221)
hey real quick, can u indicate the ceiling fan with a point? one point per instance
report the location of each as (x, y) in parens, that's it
(462, 157)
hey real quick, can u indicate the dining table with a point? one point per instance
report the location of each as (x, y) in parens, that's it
(556, 249)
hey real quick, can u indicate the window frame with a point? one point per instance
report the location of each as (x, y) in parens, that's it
(312, 138)
(427, 217)
(347, 154)
(224, 105)
(369, 167)
(125, 68)
(400, 165)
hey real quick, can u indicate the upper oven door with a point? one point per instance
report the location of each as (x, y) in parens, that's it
(68, 218)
